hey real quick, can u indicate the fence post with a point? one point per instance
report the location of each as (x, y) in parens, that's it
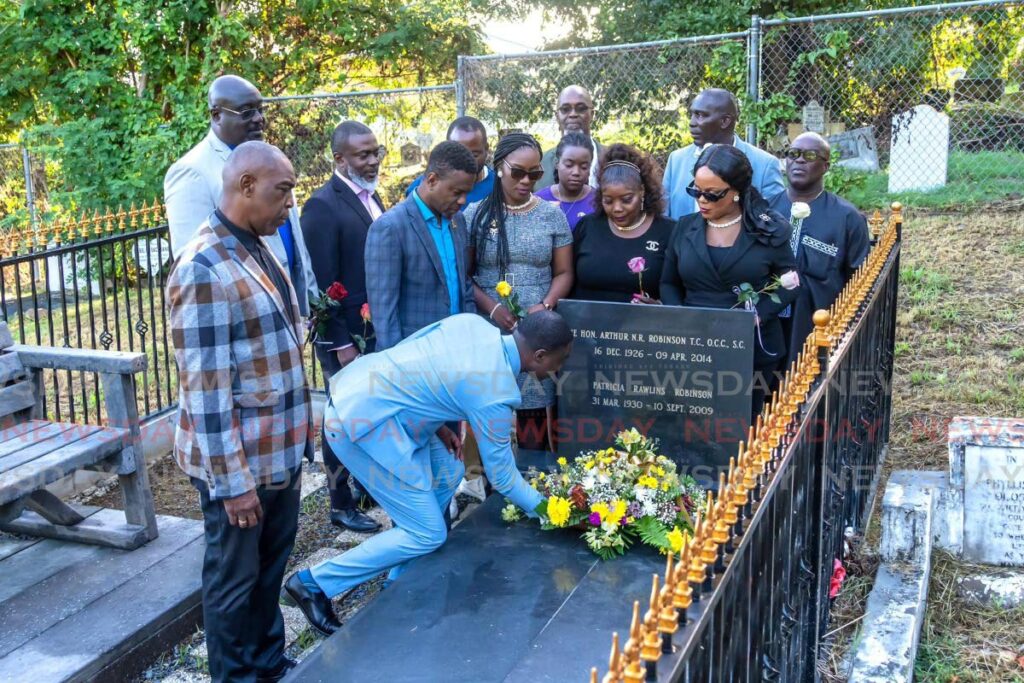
(30, 200)
(460, 86)
(753, 71)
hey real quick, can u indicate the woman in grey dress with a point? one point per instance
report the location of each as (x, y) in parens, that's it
(517, 238)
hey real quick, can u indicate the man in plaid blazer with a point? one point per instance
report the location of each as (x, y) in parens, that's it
(416, 253)
(244, 415)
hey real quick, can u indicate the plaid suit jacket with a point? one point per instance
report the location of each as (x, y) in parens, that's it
(244, 415)
(405, 282)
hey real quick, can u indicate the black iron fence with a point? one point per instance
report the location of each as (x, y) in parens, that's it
(748, 597)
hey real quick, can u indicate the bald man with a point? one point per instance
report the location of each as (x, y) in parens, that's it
(713, 115)
(193, 185)
(829, 245)
(574, 114)
(244, 414)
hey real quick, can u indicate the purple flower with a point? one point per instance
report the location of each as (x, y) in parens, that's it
(637, 265)
(595, 519)
(622, 522)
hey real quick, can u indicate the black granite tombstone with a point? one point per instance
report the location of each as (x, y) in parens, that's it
(679, 374)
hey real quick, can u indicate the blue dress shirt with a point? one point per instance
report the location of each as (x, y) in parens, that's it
(441, 231)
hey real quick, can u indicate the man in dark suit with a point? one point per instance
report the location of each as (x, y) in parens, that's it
(829, 244)
(335, 221)
(416, 252)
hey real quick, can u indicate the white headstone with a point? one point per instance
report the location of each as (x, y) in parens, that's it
(814, 117)
(987, 460)
(919, 153)
(855, 149)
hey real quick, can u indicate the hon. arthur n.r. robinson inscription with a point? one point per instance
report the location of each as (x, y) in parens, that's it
(681, 375)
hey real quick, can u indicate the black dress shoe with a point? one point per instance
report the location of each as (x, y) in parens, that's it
(277, 674)
(315, 605)
(354, 519)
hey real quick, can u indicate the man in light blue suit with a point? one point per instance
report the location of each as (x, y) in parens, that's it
(385, 421)
(713, 115)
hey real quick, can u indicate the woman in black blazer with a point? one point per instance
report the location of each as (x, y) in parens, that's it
(735, 238)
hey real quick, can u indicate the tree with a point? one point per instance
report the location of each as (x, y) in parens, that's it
(112, 91)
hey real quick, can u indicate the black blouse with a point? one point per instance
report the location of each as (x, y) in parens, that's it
(602, 260)
(691, 278)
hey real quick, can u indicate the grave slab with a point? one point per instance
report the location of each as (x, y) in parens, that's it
(919, 153)
(497, 602)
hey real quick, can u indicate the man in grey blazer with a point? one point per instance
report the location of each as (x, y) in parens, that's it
(713, 115)
(193, 184)
(417, 252)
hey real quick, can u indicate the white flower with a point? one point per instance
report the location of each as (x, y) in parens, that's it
(799, 211)
(790, 280)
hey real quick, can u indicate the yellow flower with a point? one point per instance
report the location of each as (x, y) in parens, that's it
(503, 288)
(558, 510)
(631, 437)
(565, 478)
(562, 462)
(612, 514)
(647, 481)
(589, 464)
(542, 476)
(665, 486)
(675, 539)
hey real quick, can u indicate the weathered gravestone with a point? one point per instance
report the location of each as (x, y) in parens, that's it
(679, 374)
(855, 149)
(813, 117)
(919, 154)
(988, 463)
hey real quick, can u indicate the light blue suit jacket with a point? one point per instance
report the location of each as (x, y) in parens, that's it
(392, 402)
(679, 174)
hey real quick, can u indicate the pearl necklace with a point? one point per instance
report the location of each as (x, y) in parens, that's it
(727, 224)
(525, 206)
(630, 228)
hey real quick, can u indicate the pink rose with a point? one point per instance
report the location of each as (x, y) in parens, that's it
(637, 265)
(835, 584)
(790, 280)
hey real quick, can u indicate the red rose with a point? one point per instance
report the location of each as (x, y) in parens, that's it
(337, 291)
(364, 312)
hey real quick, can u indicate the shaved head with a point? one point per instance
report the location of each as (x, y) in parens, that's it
(575, 110)
(255, 158)
(258, 183)
(236, 110)
(713, 115)
(812, 140)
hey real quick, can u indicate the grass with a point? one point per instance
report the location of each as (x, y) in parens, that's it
(959, 351)
(973, 180)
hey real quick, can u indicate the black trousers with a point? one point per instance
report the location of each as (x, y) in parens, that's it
(242, 574)
(337, 474)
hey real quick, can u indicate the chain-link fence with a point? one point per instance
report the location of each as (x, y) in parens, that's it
(407, 121)
(922, 98)
(640, 91)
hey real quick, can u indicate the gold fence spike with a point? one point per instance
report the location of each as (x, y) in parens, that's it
(650, 651)
(614, 674)
(593, 675)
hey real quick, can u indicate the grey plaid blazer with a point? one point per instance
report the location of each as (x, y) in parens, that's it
(405, 282)
(244, 416)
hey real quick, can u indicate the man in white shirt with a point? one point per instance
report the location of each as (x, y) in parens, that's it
(193, 184)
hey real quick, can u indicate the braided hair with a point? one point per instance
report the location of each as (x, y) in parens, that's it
(491, 212)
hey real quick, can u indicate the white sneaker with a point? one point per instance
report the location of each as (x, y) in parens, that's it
(474, 488)
(453, 509)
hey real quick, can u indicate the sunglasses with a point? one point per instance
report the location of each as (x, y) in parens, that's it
(579, 108)
(712, 197)
(808, 154)
(520, 173)
(245, 114)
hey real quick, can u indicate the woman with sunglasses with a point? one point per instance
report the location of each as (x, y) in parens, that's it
(619, 250)
(517, 238)
(734, 238)
(574, 156)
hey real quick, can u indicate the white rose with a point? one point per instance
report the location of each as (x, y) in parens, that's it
(790, 280)
(799, 211)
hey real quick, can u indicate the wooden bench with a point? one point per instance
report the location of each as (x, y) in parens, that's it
(35, 452)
